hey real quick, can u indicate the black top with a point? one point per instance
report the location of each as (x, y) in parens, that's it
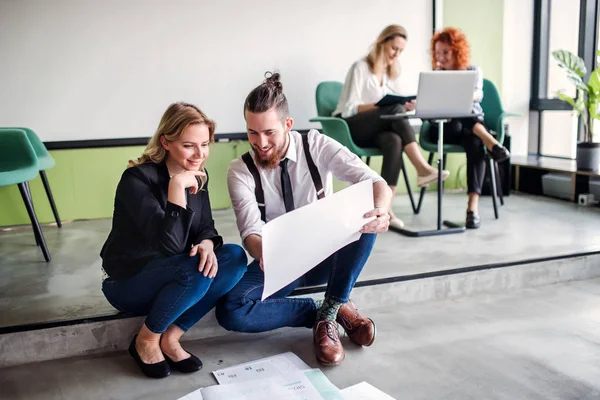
(146, 226)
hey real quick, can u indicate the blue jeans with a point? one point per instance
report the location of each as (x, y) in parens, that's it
(241, 309)
(171, 290)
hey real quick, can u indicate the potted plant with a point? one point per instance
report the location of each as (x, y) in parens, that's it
(586, 104)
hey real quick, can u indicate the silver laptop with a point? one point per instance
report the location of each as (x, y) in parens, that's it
(444, 94)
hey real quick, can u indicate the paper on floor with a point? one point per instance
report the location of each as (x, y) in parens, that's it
(364, 391)
(298, 241)
(278, 365)
(295, 385)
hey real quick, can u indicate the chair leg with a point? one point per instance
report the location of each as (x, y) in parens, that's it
(28, 192)
(368, 160)
(499, 183)
(50, 198)
(423, 189)
(493, 188)
(410, 194)
(37, 230)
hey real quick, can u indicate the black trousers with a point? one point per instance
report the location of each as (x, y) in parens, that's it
(390, 136)
(460, 131)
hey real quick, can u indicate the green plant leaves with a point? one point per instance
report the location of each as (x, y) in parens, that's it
(587, 102)
(572, 63)
(594, 82)
(566, 98)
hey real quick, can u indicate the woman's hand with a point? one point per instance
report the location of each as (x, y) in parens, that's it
(181, 181)
(187, 179)
(410, 105)
(208, 260)
(366, 107)
(380, 224)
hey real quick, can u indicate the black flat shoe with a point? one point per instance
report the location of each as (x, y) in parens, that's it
(473, 220)
(157, 370)
(499, 153)
(190, 364)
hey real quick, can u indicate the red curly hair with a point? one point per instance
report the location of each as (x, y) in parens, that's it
(457, 41)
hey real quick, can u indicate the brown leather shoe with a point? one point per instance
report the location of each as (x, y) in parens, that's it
(328, 347)
(360, 329)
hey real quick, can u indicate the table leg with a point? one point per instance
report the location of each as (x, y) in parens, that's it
(452, 227)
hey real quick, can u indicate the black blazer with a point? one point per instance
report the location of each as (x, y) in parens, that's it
(146, 226)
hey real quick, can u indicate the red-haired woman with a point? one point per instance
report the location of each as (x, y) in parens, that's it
(450, 51)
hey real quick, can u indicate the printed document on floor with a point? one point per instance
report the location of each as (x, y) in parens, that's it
(298, 241)
(364, 391)
(297, 385)
(278, 365)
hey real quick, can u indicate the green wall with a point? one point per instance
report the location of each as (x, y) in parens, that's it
(84, 181)
(482, 21)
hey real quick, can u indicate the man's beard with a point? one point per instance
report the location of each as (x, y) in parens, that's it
(274, 159)
(270, 163)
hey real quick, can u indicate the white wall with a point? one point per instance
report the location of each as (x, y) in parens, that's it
(516, 69)
(88, 69)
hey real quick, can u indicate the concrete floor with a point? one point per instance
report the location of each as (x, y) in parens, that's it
(541, 343)
(32, 291)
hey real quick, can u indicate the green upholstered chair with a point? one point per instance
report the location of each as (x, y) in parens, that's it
(45, 161)
(19, 165)
(327, 97)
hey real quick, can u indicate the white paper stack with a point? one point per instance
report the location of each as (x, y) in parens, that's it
(281, 377)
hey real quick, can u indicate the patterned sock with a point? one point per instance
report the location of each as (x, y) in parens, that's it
(318, 303)
(328, 309)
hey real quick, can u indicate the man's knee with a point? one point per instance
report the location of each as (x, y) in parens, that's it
(232, 315)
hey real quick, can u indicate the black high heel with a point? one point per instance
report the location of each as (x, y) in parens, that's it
(157, 370)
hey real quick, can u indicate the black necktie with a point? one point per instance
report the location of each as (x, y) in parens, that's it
(286, 186)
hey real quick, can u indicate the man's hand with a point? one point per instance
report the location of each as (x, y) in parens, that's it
(208, 260)
(380, 224)
(410, 105)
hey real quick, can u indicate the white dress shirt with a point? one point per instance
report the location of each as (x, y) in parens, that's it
(331, 159)
(361, 87)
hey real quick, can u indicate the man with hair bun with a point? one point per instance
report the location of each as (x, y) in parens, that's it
(285, 170)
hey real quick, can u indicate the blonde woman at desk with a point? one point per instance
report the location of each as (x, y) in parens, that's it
(450, 51)
(369, 80)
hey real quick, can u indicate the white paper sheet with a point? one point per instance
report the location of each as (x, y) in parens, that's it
(195, 395)
(279, 365)
(298, 241)
(364, 391)
(296, 385)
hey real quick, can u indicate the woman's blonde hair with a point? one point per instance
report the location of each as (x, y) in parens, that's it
(172, 124)
(389, 33)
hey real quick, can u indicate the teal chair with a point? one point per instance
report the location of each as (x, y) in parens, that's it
(494, 116)
(19, 165)
(327, 97)
(45, 161)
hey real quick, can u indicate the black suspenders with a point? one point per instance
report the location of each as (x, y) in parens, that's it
(258, 189)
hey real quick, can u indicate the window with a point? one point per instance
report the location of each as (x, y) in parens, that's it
(559, 24)
(564, 35)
